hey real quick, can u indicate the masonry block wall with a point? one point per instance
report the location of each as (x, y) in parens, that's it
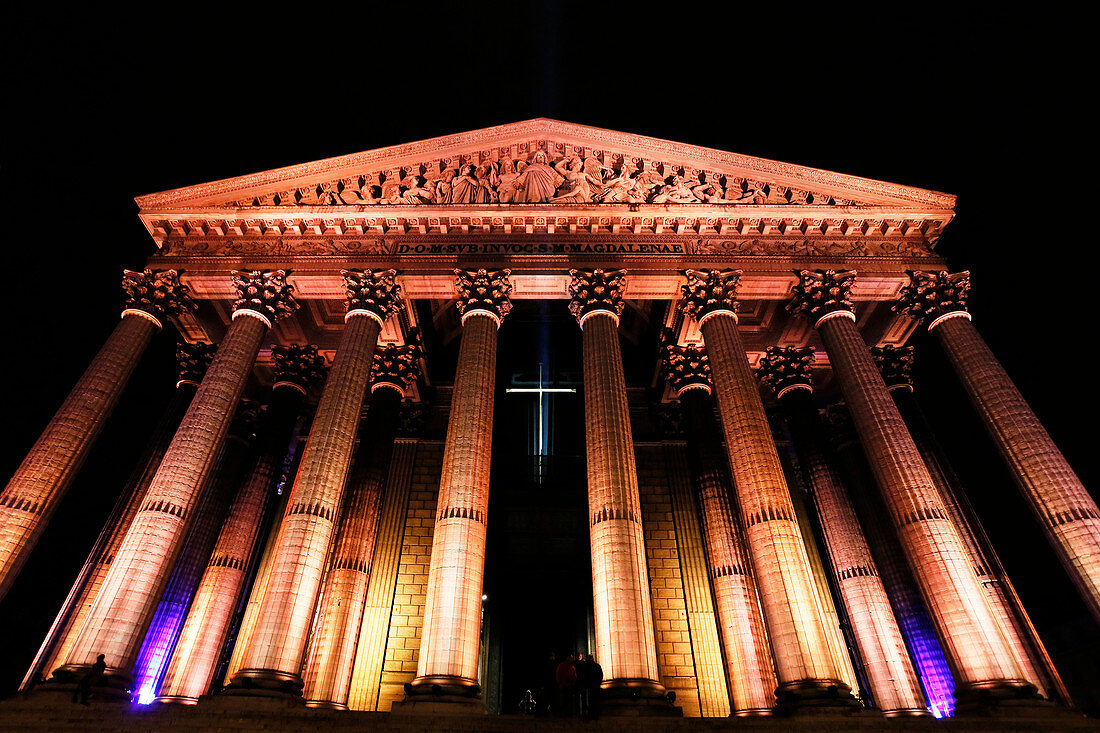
(675, 659)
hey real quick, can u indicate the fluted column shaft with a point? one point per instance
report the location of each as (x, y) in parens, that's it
(332, 646)
(625, 642)
(196, 654)
(278, 642)
(1020, 634)
(71, 617)
(133, 585)
(890, 672)
(32, 495)
(804, 663)
(452, 609)
(971, 634)
(1067, 512)
(748, 660)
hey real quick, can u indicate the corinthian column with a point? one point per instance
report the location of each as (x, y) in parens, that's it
(332, 645)
(1068, 514)
(894, 685)
(133, 586)
(452, 608)
(972, 636)
(32, 494)
(896, 367)
(192, 361)
(191, 670)
(748, 660)
(807, 670)
(273, 658)
(625, 643)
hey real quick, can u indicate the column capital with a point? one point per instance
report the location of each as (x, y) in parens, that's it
(933, 297)
(396, 367)
(155, 294)
(484, 291)
(192, 361)
(686, 367)
(896, 365)
(297, 367)
(709, 292)
(596, 291)
(374, 293)
(263, 294)
(823, 294)
(785, 369)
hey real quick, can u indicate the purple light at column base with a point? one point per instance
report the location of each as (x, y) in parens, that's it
(157, 649)
(932, 668)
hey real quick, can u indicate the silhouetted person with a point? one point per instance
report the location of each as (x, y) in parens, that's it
(581, 690)
(593, 676)
(527, 704)
(566, 677)
(548, 685)
(92, 677)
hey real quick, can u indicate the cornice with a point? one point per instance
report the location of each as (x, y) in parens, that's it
(591, 138)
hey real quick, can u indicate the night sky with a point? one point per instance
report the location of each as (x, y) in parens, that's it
(993, 109)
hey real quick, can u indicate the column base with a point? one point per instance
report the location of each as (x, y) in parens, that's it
(114, 686)
(812, 696)
(1001, 699)
(325, 705)
(639, 698)
(176, 700)
(265, 683)
(441, 694)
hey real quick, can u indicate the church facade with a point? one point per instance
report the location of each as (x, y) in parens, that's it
(333, 509)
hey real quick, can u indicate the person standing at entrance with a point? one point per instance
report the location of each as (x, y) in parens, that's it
(566, 677)
(593, 677)
(581, 689)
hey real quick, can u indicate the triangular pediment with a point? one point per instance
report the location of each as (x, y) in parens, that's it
(540, 162)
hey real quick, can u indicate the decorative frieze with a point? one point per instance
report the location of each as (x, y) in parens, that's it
(821, 293)
(783, 369)
(596, 290)
(156, 292)
(264, 293)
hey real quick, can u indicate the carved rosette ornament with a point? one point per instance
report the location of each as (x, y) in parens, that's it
(155, 294)
(709, 292)
(787, 368)
(596, 291)
(934, 296)
(487, 292)
(896, 365)
(396, 367)
(297, 367)
(687, 367)
(192, 361)
(263, 294)
(374, 294)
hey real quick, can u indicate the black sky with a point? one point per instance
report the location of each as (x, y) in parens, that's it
(994, 108)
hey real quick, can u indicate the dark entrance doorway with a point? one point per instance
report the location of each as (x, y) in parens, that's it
(538, 583)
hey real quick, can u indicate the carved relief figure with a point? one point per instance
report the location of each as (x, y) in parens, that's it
(621, 187)
(464, 187)
(676, 192)
(578, 184)
(538, 182)
(502, 179)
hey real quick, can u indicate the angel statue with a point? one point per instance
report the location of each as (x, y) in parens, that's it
(414, 193)
(709, 192)
(622, 187)
(538, 182)
(579, 184)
